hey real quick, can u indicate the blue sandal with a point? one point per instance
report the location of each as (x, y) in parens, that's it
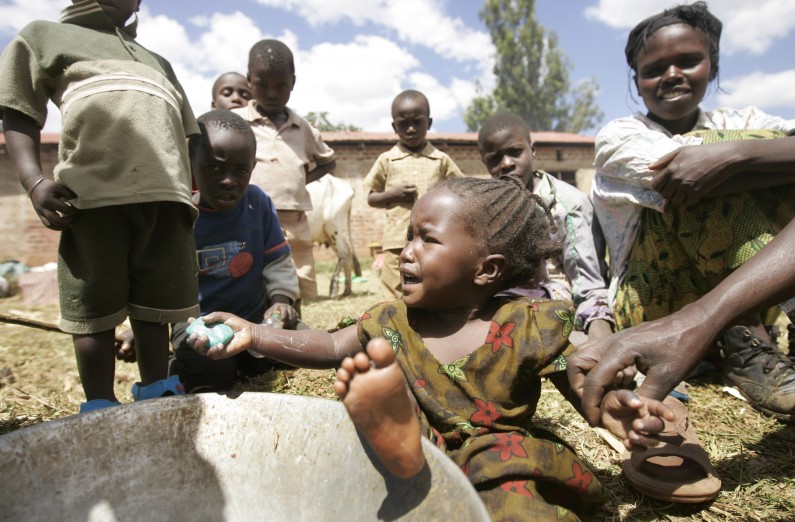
(97, 404)
(161, 388)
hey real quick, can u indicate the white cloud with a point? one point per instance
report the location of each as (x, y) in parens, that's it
(16, 14)
(755, 26)
(418, 22)
(354, 81)
(767, 91)
(624, 14)
(747, 26)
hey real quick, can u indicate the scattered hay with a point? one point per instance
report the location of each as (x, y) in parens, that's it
(753, 454)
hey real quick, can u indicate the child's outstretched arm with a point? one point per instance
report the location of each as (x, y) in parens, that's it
(633, 418)
(301, 348)
(23, 139)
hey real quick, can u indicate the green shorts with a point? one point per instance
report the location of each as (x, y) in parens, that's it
(136, 260)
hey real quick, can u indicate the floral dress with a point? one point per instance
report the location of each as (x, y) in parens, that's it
(479, 408)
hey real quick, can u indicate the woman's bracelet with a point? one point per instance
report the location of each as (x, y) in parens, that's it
(36, 184)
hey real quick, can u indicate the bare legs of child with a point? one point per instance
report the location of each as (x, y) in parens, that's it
(151, 349)
(374, 391)
(96, 364)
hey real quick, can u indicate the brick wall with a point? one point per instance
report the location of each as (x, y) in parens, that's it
(24, 238)
(568, 156)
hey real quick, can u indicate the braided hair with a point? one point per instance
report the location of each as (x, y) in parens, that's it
(219, 119)
(696, 15)
(509, 220)
(273, 54)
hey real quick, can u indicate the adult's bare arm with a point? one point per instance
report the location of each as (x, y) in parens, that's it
(689, 174)
(667, 349)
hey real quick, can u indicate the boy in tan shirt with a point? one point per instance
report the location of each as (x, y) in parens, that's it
(403, 174)
(290, 152)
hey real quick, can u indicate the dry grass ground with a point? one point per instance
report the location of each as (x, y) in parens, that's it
(754, 455)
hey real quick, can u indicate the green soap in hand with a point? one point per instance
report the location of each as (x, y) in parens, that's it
(218, 333)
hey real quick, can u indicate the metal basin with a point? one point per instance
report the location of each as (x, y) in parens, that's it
(257, 456)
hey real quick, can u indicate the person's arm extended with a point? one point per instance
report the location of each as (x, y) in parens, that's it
(301, 348)
(23, 140)
(667, 349)
(320, 171)
(689, 174)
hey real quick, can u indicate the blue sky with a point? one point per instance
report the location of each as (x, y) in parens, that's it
(353, 56)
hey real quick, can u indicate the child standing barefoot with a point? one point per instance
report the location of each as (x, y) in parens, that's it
(472, 361)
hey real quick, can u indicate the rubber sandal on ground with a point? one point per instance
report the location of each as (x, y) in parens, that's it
(677, 470)
(161, 388)
(680, 392)
(97, 404)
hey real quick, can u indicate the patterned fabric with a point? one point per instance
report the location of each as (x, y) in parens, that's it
(622, 187)
(479, 408)
(398, 166)
(678, 255)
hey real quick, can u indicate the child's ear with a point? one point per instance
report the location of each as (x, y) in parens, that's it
(394, 128)
(492, 268)
(430, 122)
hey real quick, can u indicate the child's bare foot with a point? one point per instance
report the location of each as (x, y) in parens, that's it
(377, 400)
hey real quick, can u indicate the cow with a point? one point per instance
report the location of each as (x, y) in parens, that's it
(330, 222)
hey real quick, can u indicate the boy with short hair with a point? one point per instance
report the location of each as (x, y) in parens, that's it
(403, 174)
(244, 259)
(121, 194)
(577, 274)
(230, 91)
(290, 152)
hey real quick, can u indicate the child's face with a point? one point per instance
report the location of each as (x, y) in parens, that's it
(441, 258)
(411, 122)
(119, 11)
(673, 71)
(271, 87)
(508, 152)
(231, 91)
(222, 167)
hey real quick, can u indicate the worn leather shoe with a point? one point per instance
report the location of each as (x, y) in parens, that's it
(761, 373)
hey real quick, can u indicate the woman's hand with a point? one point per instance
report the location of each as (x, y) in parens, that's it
(689, 174)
